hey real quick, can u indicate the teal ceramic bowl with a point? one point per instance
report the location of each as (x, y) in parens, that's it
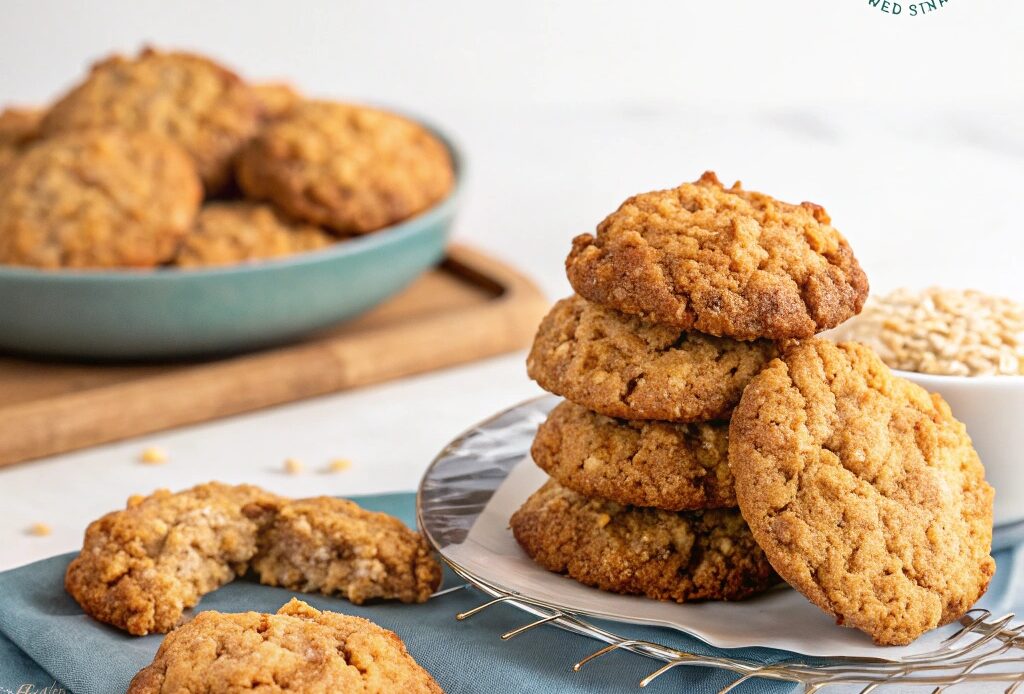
(171, 313)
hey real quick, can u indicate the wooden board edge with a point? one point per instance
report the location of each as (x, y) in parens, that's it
(165, 401)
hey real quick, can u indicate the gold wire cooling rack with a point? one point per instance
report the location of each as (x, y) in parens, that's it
(987, 650)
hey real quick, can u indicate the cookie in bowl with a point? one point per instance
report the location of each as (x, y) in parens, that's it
(227, 233)
(19, 127)
(97, 199)
(276, 98)
(349, 168)
(202, 106)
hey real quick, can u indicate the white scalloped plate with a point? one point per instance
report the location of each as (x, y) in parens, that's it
(481, 478)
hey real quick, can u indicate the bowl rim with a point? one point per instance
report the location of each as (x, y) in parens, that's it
(388, 235)
(938, 380)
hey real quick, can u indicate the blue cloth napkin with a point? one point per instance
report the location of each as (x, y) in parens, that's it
(48, 646)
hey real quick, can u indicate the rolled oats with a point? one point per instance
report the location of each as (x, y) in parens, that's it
(943, 331)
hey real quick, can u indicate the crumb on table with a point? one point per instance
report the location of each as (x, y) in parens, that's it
(153, 456)
(39, 530)
(293, 466)
(339, 465)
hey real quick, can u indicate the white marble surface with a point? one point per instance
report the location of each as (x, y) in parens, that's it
(922, 173)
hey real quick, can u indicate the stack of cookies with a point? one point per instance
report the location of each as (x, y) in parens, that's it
(681, 299)
(711, 445)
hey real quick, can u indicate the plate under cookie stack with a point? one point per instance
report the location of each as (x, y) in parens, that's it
(652, 355)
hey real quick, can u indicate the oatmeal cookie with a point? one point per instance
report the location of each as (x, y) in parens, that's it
(863, 490)
(233, 232)
(141, 568)
(697, 555)
(299, 649)
(335, 547)
(205, 108)
(723, 261)
(19, 127)
(276, 98)
(97, 199)
(350, 168)
(620, 366)
(674, 467)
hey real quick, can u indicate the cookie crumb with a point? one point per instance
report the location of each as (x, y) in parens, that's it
(293, 466)
(339, 465)
(39, 530)
(153, 456)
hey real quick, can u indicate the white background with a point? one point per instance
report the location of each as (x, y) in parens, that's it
(908, 129)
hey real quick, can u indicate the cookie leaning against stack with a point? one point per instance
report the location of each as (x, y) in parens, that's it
(864, 491)
(642, 498)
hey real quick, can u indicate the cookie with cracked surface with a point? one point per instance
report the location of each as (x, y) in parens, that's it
(235, 232)
(863, 489)
(621, 366)
(299, 649)
(333, 546)
(19, 127)
(350, 168)
(142, 567)
(674, 467)
(202, 106)
(723, 261)
(685, 557)
(97, 199)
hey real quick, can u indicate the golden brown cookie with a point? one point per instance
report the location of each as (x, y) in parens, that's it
(674, 467)
(335, 547)
(276, 98)
(350, 168)
(863, 490)
(696, 555)
(141, 568)
(235, 232)
(19, 127)
(620, 366)
(97, 199)
(299, 649)
(198, 104)
(723, 261)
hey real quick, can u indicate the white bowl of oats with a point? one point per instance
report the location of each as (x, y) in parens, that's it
(968, 347)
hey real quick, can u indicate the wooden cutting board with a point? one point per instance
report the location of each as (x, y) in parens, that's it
(470, 307)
